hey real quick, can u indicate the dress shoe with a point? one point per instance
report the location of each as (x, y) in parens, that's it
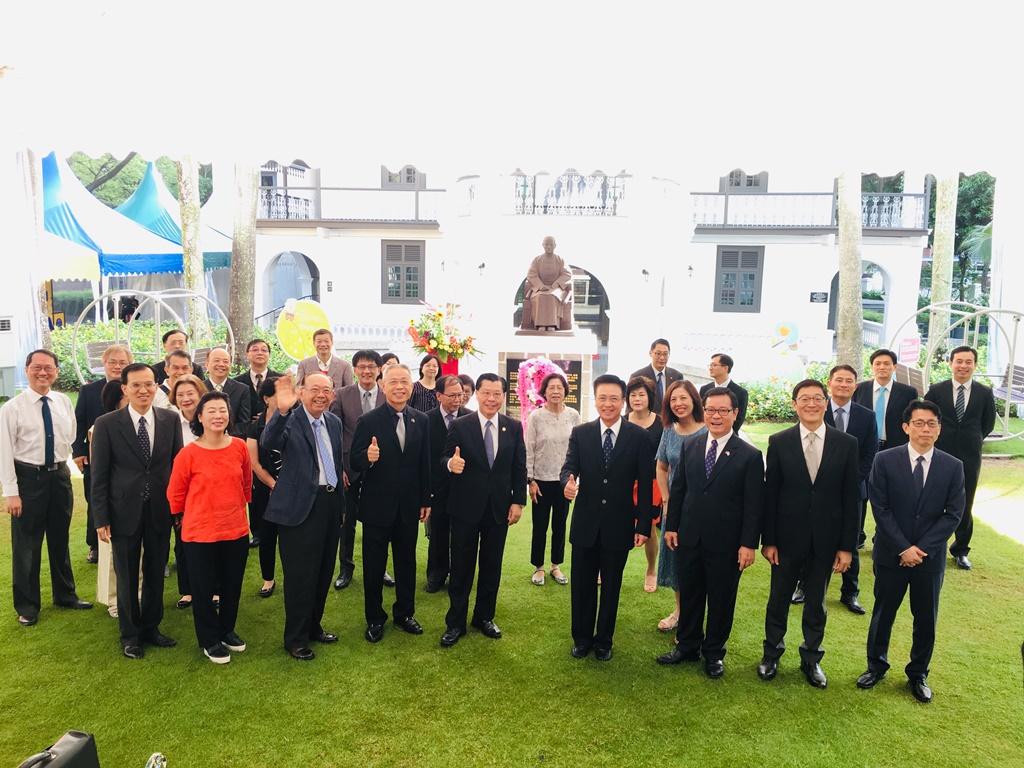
(28, 621)
(389, 580)
(714, 668)
(233, 642)
(302, 654)
(768, 668)
(343, 580)
(853, 605)
(374, 633)
(77, 605)
(325, 637)
(603, 654)
(451, 636)
(93, 557)
(488, 628)
(254, 542)
(580, 651)
(798, 595)
(184, 603)
(159, 639)
(678, 656)
(133, 651)
(964, 565)
(267, 591)
(814, 674)
(920, 689)
(870, 679)
(218, 653)
(434, 586)
(410, 625)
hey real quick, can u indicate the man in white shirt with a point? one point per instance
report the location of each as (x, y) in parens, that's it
(37, 428)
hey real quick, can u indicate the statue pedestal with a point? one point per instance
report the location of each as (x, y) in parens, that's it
(573, 351)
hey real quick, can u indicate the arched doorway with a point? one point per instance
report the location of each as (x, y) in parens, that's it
(875, 286)
(290, 275)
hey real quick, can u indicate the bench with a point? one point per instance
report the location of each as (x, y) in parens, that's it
(912, 376)
(1013, 385)
(94, 355)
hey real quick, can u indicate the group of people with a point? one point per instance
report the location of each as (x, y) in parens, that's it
(297, 461)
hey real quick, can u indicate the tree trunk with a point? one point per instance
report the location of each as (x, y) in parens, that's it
(849, 308)
(99, 181)
(942, 257)
(192, 254)
(243, 256)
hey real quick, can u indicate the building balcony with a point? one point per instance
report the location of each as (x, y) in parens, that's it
(324, 205)
(568, 194)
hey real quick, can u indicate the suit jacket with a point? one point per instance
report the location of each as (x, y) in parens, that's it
(160, 371)
(241, 403)
(861, 424)
(87, 410)
(671, 374)
(295, 492)
(339, 370)
(398, 484)
(900, 396)
(119, 475)
(820, 518)
(439, 480)
(604, 506)
(741, 400)
(256, 404)
(722, 512)
(480, 488)
(963, 439)
(347, 406)
(904, 518)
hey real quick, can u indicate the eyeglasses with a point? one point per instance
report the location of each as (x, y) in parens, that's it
(367, 367)
(921, 423)
(808, 399)
(718, 411)
(42, 369)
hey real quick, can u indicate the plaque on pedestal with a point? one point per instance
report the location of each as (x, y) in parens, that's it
(574, 354)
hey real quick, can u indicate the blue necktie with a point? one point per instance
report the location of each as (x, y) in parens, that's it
(710, 457)
(489, 443)
(880, 412)
(325, 455)
(607, 446)
(661, 385)
(48, 457)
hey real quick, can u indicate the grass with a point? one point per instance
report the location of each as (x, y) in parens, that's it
(521, 700)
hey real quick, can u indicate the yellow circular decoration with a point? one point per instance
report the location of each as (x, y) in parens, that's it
(296, 324)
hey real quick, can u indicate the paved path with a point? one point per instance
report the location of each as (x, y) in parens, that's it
(1000, 509)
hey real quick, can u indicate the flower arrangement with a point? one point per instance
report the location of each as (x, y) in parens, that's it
(531, 374)
(434, 333)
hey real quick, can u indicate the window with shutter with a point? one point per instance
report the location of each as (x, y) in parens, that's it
(402, 271)
(738, 277)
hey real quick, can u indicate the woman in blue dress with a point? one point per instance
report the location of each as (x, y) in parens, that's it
(683, 417)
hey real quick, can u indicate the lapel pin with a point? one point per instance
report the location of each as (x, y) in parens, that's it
(727, 453)
(413, 420)
(503, 429)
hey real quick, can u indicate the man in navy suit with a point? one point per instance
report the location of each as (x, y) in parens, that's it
(917, 498)
(720, 370)
(307, 504)
(886, 398)
(391, 451)
(658, 371)
(257, 352)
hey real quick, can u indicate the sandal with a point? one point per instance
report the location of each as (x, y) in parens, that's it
(538, 577)
(558, 576)
(670, 623)
(651, 582)
(185, 602)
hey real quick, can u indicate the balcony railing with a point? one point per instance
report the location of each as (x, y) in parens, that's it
(275, 205)
(806, 210)
(569, 194)
(350, 204)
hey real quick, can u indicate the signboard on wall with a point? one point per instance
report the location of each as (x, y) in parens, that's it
(909, 351)
(819, 297)
(573, 374)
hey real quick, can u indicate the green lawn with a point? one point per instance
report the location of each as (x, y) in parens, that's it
(521, 700)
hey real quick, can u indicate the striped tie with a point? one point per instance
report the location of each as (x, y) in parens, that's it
(960, 407)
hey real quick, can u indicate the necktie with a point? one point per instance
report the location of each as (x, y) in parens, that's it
(259, 382)
(919, 475)
(367, 405)
(489, 443)
(960, 407)
(661, 385)
(400, 430)
(144, 446)
(841, 419)
(607, 446)
(449, 418)
(710, 457)
(48, 457)
(880, 412)
(811, 455)
(325, 455)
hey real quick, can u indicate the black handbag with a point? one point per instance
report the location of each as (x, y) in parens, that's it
(75, 749)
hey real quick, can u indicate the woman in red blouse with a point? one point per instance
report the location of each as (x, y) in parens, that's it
(210, 486)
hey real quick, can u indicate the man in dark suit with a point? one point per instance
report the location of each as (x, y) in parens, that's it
(812, 514)
(886, 398)
(349, 405)
(257, 352)
(968, 417)
(307, 504)
(720, 370)
(714, 521)
(133, 451)
(485, 455)
(239, 399)
(391, 451)
(175, 341)
(917, 498)
(439, 421)
(846, 416)
(87, 410)
(606, 458)
(659, 372)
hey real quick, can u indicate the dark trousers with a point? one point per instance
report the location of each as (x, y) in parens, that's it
(267, 531)
(587, 564)
(851, 578)
(137, 618)
(468, 538)
(962, 538)
(90, 527)
(46, 503)
(814, 572)
(347, 542)
(307, 560)
(401, 535)
(890, 588)
(215, 567)
(439, 546)
(710, 578)
(551, 504)
(181, 564)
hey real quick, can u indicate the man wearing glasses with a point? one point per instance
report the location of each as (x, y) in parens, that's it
(659, 372)
(917, 498)
(811, 520)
